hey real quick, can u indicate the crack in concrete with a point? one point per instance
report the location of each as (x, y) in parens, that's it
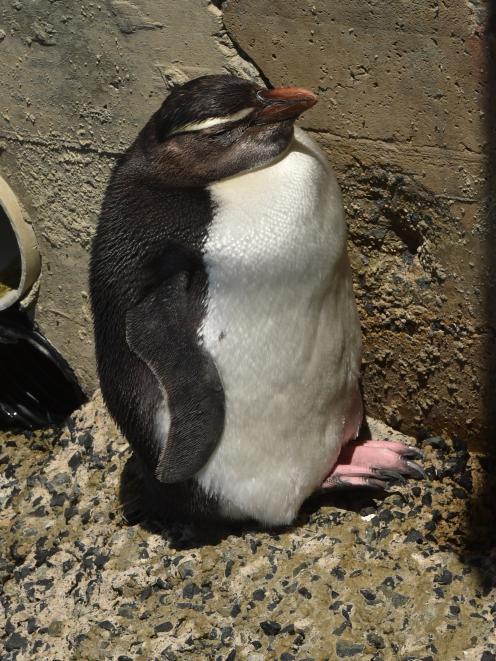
(465, 155)
(59, 145)
(218, 4)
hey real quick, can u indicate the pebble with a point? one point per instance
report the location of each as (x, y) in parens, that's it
(347, 648)
(270, 627)
(445, 578)
(79, 582)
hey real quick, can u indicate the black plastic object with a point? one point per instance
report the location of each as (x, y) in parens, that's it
(37, 387)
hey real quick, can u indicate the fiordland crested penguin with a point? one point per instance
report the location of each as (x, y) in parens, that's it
(227, 336)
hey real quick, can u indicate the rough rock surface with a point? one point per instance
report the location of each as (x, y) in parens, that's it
(355, 578)
(79, 80)
(407, 91)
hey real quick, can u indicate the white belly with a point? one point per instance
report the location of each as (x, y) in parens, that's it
(282, 328)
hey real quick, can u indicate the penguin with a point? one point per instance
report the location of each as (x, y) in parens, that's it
(227, 336)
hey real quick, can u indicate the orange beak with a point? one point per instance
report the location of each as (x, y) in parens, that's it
(282, 103)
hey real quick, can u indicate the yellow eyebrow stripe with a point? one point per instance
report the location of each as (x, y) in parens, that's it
(212, 121)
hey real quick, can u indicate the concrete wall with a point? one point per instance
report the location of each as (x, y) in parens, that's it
(402, 117)
(79, 79)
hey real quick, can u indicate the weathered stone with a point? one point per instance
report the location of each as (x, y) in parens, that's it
(60, 606)
(347, 648)
(403, 93)
(78, 82)
(407, 94)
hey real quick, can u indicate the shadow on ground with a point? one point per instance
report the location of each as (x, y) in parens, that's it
(184, 533)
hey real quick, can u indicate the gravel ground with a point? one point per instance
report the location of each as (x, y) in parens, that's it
(409, 576)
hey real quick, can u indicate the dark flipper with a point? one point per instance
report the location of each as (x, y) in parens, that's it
(162, 331)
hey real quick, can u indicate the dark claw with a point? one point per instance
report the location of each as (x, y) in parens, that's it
(416, 470)
(413, 453)
(408, 469)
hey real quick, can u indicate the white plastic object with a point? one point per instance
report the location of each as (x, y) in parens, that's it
(20, 261)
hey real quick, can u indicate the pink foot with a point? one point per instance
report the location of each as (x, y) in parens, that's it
(373, 464)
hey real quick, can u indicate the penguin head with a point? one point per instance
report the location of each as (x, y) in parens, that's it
(218, 126)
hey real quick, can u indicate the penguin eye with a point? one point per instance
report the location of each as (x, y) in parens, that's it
(219, 132)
